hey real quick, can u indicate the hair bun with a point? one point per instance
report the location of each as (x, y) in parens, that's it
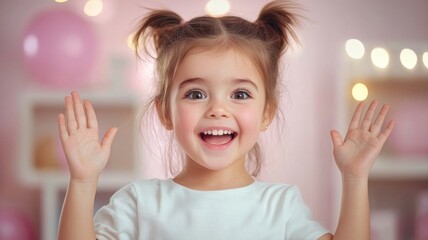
(156, 25)
(279, 18)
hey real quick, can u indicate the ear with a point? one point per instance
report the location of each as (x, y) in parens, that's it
(163, 117)
(267, 118)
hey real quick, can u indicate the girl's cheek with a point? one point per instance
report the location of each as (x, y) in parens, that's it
(185, 116)
(247, 117)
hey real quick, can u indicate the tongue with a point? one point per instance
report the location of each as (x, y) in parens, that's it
(217, 140)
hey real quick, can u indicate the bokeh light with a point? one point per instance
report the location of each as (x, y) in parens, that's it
(93, 8)
(360, 92)
(217, 8)
(355, 48)
(130, 41)
(425, 59)
(380, 57)
(408, 58)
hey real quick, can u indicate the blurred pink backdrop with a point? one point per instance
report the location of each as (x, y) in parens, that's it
(313, 75)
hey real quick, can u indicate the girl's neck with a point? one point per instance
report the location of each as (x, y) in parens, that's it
(197, 177)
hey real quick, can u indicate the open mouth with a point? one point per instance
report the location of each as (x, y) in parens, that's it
(217, 137)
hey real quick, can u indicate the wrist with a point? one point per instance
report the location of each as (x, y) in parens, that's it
(354, 181)
(84, 185)
(355, 176)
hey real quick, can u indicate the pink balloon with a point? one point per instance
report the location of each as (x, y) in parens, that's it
(15, 226)
(60, 48)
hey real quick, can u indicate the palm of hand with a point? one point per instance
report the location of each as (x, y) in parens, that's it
(363, 142)
(86, 155)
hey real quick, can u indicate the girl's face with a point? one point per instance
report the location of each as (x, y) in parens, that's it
(217, 108)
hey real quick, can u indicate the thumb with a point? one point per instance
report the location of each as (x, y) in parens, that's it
(336, 138)
(108, 138)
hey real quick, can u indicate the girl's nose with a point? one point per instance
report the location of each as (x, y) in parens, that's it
(218, 109)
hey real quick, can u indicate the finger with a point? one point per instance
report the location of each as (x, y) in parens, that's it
(387, 131)
(356, 117)
(368, 117)
(78, 110)
(91, 117)
(377, 124)
(69, 115)
(336, 138)
(108, 138)
(62, 129)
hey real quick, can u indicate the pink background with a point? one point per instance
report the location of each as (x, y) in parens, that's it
(313, 77)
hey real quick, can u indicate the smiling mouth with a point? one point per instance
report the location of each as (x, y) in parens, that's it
(217, 137)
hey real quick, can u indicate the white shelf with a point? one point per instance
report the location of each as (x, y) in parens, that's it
(39, 163)
(396, 168)
(39, 111)
(107, 180)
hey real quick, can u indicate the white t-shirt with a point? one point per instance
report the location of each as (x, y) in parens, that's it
(162, 209)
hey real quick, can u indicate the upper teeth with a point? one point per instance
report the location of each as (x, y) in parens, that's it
(217, 132)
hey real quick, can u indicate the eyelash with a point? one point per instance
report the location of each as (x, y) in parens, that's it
(189, 93)
(242, 90)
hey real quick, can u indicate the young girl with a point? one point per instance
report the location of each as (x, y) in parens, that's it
(217, 91)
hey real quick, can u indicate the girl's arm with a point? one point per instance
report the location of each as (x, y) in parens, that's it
(355, 156)
(86, 158)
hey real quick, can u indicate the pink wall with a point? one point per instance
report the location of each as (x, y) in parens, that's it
(313, 76)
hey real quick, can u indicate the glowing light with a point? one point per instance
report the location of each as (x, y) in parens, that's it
(217, 8)
(93, 8)
(130, 40)
(380, 57)
(425, 59)
(354, 48)
(408, 58)
(360, 92)
(31, 45)
(60, 1)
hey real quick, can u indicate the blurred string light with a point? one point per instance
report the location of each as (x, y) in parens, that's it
(93, 8)
(354, 48)
(130, 41)
(217, 8)
(380, 57)
(425, 59)
(360, 92)
(149, 46)
(60, 1)
(408, 58)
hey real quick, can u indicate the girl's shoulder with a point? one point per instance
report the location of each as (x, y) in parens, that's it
(280, 190)
(153, 184)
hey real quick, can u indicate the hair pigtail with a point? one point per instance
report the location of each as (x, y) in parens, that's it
(279, 18)
(156, 26)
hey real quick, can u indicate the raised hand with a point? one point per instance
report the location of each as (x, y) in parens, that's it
(78, 130)
(364, 140)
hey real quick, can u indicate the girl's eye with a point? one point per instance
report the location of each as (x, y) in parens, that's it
(195, 94)
(241, 94)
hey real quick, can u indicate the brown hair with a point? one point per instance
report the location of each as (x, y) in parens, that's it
(271, 34)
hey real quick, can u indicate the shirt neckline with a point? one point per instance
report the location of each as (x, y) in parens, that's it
(238, 189)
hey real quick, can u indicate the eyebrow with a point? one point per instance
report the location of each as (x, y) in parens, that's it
(189, 81)
(248, 81)
(237, 80)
